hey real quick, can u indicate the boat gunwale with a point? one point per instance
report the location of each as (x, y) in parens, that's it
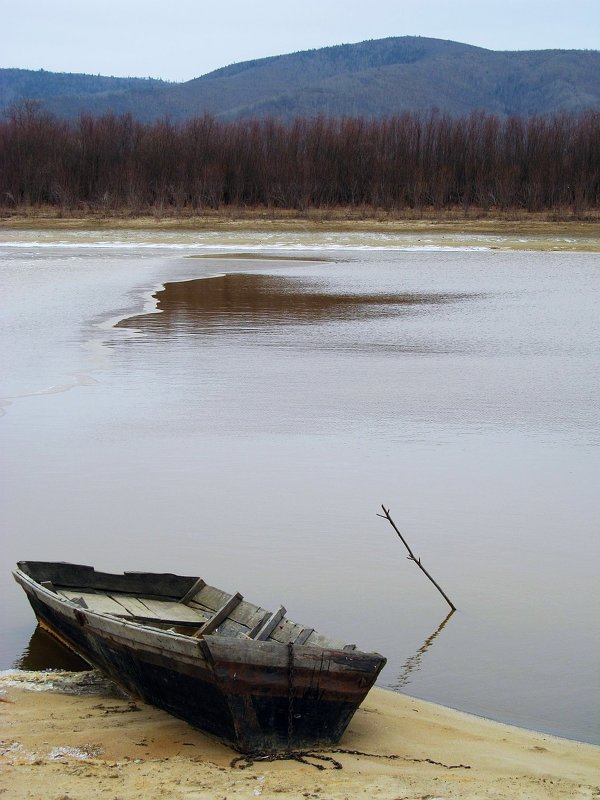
(52, 598)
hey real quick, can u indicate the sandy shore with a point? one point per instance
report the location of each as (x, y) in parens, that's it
(64, 746)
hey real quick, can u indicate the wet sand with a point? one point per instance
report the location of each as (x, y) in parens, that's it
(99, 745)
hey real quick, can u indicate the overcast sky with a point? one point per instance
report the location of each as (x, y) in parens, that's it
(182, 39)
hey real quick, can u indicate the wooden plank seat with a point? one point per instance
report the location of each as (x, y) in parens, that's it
(241, 616)
(127, 606)
(254, 622)
(244, 619)
(264, 630)
(207, 610)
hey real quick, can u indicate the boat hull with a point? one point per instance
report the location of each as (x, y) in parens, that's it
(257, 696)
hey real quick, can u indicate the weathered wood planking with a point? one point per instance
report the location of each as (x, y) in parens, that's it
(303, 635)
(268, 627)
(193, 590)
(210, 598)
(164, 585)
(173, 612)
(233, 609)
(249, 614)
(231, 628)
(131, 604)
(259, 623)
(144, 608)
(319, 640)
(95, 602)
(220, 614)
(286, 631)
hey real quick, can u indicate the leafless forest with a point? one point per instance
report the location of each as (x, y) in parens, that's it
(411, 161)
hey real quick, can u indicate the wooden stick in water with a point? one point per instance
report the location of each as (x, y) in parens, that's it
(411, 556)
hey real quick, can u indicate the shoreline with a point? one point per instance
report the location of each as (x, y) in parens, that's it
(526, 232)
(328, 219)
(396, 746)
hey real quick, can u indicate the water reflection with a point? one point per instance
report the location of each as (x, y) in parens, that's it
(413, 663)
(241, 299)
(44, 652)
(269, 446)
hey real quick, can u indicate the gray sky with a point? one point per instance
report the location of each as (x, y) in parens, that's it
(182, 39)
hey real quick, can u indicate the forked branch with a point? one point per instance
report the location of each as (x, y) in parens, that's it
(412, 557)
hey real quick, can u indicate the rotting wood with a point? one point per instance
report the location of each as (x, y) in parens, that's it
(192, 591)
(131, 604)
(255, 628)
(77, 575)
(219, 616)
(270, 624)
(321, 640)
(99, 603)
(286, 631)
(173, 612)
(303, 636)
(211, 598)
(249, 614)
(142, 608)
(412, 557)
(231, 628)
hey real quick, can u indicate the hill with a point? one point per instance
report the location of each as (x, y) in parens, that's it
(373, 78)
(24, 84)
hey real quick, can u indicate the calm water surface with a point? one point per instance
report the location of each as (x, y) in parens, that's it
(244, 419)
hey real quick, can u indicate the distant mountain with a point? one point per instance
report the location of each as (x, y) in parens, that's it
(373, 78)
(24, 84)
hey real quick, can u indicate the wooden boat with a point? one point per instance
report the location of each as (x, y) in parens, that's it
(247, 675)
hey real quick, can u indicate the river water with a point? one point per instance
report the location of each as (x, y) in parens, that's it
(239, 406)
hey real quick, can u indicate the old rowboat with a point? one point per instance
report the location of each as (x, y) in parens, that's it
(247, 675)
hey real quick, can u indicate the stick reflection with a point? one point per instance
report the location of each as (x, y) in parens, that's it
(413, 663)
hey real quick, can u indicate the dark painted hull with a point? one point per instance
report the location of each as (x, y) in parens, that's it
(258, 696)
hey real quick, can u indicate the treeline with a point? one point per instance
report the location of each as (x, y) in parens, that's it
(410, 161)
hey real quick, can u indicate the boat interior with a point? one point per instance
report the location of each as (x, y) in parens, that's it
(199, 611)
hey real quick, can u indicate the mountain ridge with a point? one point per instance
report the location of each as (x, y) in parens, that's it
(374, 78)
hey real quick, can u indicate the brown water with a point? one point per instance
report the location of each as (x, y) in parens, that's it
(250, 430)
